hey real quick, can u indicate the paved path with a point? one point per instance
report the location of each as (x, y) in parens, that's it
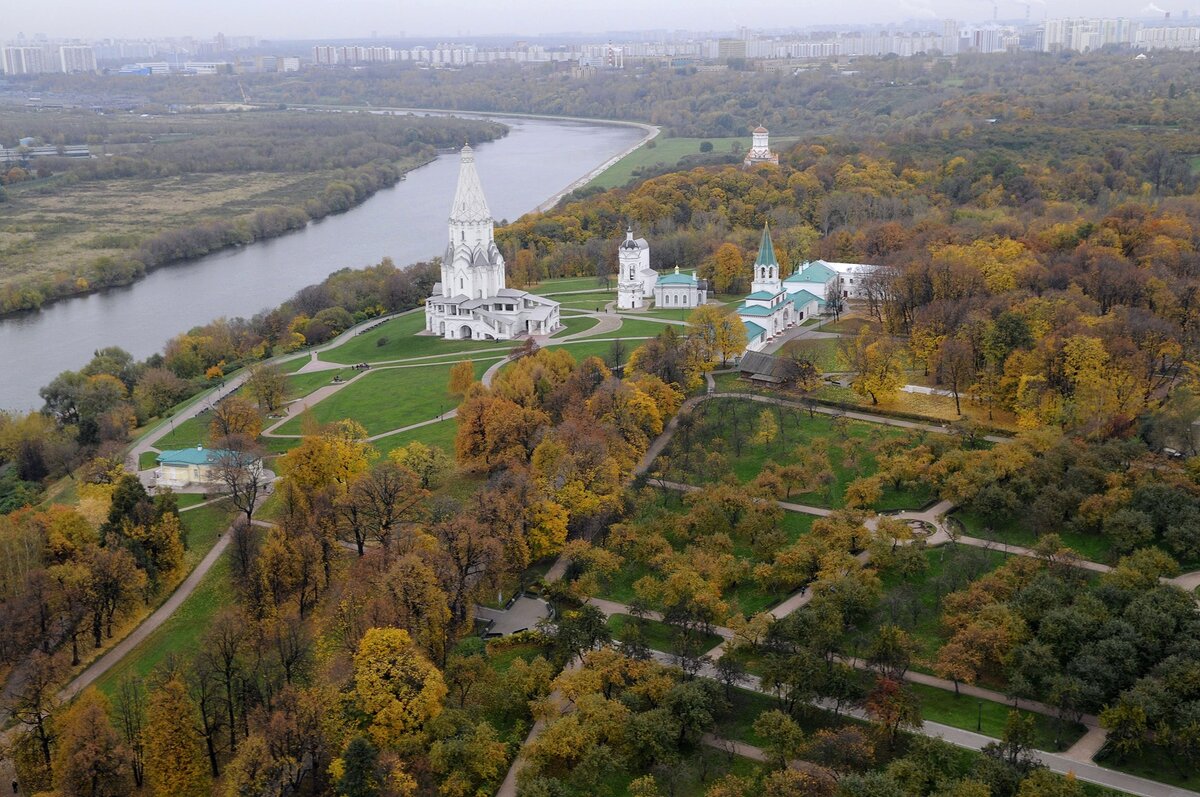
(151, 623)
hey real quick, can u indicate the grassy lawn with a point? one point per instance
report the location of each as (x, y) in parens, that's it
(203, 527)
(184, 500)
(550, 287)
(665, 151)
(180, 635)
(435, 434)
(585, 348)
(400, 340)
(915, 604)
(584, 301)
(1095, 547)
(745, 706)
(657, 635)
(192, 432)
(300, 385)
(849, 458)
(822, 351)
(387, 398)
(637, 327)
(147, 460)
(1154, 763)
(294, 365)
(575, 324)
(969, 713)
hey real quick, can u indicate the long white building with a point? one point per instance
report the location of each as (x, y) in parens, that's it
(472, 300)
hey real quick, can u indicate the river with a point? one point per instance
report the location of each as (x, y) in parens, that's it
(536, 160)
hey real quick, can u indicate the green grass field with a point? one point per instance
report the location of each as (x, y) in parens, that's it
(988, 717)
(638, 328)
(180, 634)
(1095, 547)
(386, 398)
(667, 151)
(550, 287)
(400, 340)
(822, 351)
(300, 385)
(192, 432)
(657, 636)
(436, 434)
(573, 325)
(849, 458)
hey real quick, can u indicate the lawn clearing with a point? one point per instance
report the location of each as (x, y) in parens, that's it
(988, 717)
(1094, 547)
(185, 434)
(439, 434)
(656, 635)
(386, 398)
(180, 635)
(727, 420)
(400, 340)
(665, 152)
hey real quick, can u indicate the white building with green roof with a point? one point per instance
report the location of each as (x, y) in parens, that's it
(679, 290)
(774, 305)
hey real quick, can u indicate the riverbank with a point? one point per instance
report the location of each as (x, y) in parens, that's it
(219, 183)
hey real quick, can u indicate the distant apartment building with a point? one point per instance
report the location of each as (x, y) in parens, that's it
(288, 63)
(1177, 38)
(207, 67)
(77, 58)
(1084, 35)
(27, 60)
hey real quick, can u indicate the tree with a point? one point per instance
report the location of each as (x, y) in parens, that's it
(893, 707)
(387, 495)
(268, 386)
(430, 463)
(462, 376)
(891, 652)
(577, 631)
(875, 364)
(768, 429)
(174, 761)
(468, 755)
(727, 269)
(131, 721)
(958, 662)
(955, 366)
(395, 685)
(1126, 724)
(784, 737)
(89, 760)
(234, 417)
(239, 468)
(358, 770)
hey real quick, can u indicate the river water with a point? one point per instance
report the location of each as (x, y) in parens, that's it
(535, 161)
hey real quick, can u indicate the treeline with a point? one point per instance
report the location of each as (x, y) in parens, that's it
(919, 96)
(369, 150)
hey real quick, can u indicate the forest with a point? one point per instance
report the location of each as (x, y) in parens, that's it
(754, 591)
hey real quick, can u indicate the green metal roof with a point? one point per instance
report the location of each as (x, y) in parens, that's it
(766, 250)
(803, 297)
(754, 310)
(762, 296)
(676, 279)
(189, 456)
(814, 272)
(753, 330)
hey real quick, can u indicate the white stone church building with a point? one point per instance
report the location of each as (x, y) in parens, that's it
(472, 301)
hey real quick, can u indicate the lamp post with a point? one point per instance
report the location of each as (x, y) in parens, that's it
(979, 719)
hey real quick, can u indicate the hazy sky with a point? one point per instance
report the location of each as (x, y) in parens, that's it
(351, 18)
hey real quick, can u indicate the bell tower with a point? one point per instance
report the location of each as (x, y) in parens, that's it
(633, 260)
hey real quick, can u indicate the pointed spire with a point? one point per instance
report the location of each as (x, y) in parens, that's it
(470, 206)
(766, 250)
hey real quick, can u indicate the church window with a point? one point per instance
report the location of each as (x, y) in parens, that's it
(460, 283)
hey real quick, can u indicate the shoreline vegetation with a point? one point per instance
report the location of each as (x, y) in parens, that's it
(209, 194)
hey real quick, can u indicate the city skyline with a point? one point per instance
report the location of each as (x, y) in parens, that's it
(275, 19)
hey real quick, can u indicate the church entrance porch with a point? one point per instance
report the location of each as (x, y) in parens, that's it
(465, 332)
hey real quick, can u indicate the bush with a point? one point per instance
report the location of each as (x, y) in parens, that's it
(706, 146)
(381, 341)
